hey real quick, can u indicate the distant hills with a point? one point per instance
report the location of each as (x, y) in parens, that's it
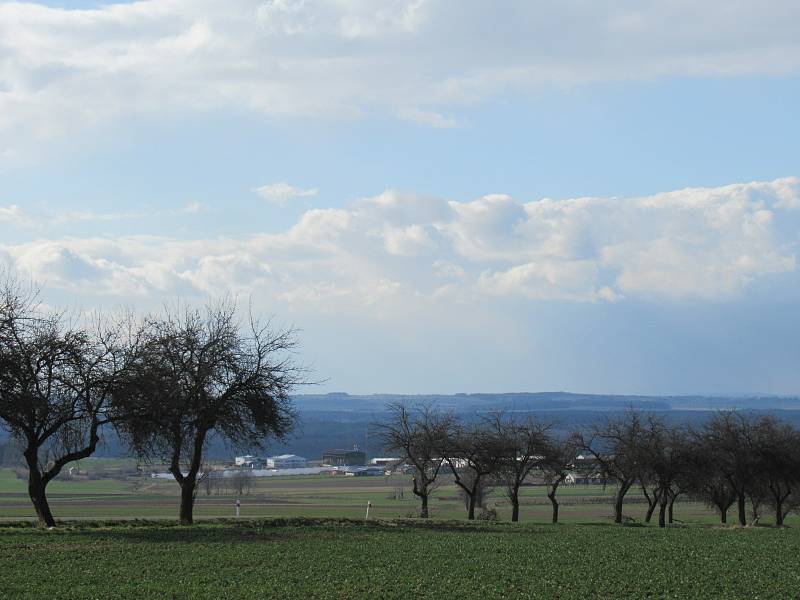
(339, 419)
(537, 401)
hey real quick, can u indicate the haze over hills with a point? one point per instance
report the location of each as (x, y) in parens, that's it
(527, 401)
(343, 420)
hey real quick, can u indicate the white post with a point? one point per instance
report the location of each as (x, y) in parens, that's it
(369, 505)
(238, 505)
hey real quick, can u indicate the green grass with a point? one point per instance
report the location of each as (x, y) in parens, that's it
(310, 496)
(334, 559)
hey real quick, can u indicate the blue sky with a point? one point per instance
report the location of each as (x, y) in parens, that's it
(592, 198)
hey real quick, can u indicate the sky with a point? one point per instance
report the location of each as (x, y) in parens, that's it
(442, 195)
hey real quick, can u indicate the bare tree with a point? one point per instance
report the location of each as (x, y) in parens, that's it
(703, 479)
(559, 461)
(664, 457)
(195, 374)
(55, 387)
(473, 454)
(418, 434)
(730, 435)
(777, 471)
(242, 482)
(520, 446)
(616, 445)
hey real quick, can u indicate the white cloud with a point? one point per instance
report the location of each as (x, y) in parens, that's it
(418, 59)
(398, 250)
(280, 193)
(427, 117)
(13, 214)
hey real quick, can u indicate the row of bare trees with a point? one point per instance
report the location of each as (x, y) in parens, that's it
(733, 458)
(496, 451)
(167, 383)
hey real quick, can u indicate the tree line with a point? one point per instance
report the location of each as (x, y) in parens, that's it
(733, 459)
(166, 382)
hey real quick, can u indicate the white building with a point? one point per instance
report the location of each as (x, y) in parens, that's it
(385, 461)
(286, 461)
(245, 461)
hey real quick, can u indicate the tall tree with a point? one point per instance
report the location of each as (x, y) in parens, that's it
(198, 373)
(55, 387)
(418, 433)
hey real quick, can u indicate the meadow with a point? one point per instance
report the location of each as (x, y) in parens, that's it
(112, 495)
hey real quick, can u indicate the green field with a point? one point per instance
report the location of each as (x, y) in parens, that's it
(318, 496)
(305, 537)
(350, 560)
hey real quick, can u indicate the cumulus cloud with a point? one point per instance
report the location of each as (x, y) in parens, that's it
(403, 249)
(417, 59)
(280, 193)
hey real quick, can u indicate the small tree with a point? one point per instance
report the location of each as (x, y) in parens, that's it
(520, 446)
(703, 479)
(558, 462)
(777, 449)
(616, 444)
(473, 454)
(418, 434)
(664, 458)
(195, 374)
(729, 435)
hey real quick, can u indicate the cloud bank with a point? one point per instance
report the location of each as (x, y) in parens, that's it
(409, 250)
(414, 59)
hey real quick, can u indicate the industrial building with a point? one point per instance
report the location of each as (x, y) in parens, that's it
(286, 461)
(344, 458)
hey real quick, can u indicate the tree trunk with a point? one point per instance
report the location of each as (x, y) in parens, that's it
(471, 512)
(651, 504)
(778, 512)
(671, 511)
(188, 489)
(662, 511)
(618, 499)
(515, 509)
(37, 490)
(423, 509)
(723, 515)
(38, 495)
(552, 495)
(741, 502)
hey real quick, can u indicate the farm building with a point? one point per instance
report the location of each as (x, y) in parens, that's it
(385, 461)
(342, 458)
(286, 461)
(249, 461)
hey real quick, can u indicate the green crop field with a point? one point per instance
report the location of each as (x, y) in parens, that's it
(352, 559)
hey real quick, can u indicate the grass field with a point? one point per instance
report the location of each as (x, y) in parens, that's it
(351, 560)
(309, 496)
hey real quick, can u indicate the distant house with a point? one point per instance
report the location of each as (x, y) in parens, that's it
(344, 458)
(249, 461)
(385, 462)
(286, 461)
